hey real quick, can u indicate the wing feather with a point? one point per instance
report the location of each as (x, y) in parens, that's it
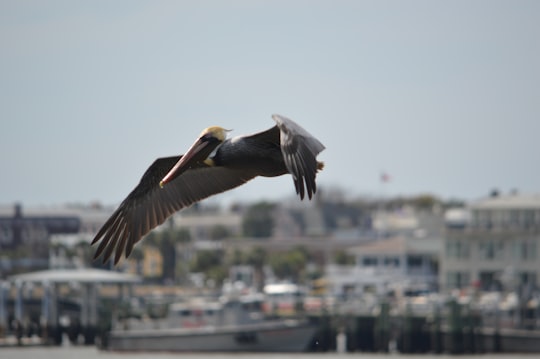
(300, 150)
(112, 224)
(148, 205)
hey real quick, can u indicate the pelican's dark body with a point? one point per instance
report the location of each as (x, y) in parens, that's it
(258, 152)
(212, 165)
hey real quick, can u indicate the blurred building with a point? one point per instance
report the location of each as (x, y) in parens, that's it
(208, 224)
(493, 244)
(24, 237)
(405, 253)
(408, 259)
(148, 264)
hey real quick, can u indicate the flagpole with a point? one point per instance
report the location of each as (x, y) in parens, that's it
(383, 180)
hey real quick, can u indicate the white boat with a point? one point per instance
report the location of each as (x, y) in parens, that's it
(231, 325)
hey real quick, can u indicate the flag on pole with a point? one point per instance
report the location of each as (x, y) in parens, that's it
(385, 177)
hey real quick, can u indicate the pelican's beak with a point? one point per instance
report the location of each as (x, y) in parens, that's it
(195, 153)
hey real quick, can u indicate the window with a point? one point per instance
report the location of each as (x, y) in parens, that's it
(528, 218)
(514, 218)
(414, 261)
(457, 249)
(528, 278)
(370, 261)
(488, 281)
(457, 279)
(391, 262)
(487, 250)
(491, 250)
(524, 250)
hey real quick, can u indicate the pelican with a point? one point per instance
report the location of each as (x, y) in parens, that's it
(213, 164)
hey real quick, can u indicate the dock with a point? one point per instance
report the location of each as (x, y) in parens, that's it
(454, 330)
(34, 308)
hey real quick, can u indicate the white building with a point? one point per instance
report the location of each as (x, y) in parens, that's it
(493, 244)
(385, 264)
(201, 225)
(412, 259)
(354, 281)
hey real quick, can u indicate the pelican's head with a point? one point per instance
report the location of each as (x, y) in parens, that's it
(209, 139)
(214, 132)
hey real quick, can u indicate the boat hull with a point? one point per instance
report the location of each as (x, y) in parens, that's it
(270, 337)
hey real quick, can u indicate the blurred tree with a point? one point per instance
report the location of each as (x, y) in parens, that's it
(290, 265)
(420, 202)
(237, 257)
(210, 262)
(182, 235)
(219, 232)
(424, 201)
(205, 260)
(304, 251)
(342, 258)
(216, 275)
(258, 220)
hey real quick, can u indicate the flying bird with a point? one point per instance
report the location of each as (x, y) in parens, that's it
(213, 164)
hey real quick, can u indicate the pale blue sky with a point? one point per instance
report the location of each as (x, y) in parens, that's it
(444, 96)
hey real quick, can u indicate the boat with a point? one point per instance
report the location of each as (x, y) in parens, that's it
(226, 325)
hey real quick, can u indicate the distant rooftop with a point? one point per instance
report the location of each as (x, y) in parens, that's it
(508, 201)
(83, 275)
(8, 210)
(399, 244)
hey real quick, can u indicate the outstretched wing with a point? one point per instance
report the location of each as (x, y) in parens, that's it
(148, 205)
(300, 151)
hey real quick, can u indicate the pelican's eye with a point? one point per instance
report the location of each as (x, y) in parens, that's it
(206, 137)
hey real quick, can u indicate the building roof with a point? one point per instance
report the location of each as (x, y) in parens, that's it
(510, 201)
(89, 213)
(399, 245)
(83, 275)
(228, 219)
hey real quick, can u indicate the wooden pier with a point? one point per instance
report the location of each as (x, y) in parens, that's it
(457, 331)
(452, 328)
